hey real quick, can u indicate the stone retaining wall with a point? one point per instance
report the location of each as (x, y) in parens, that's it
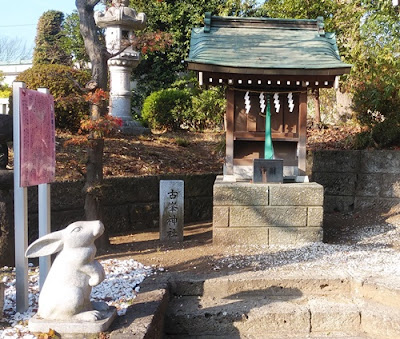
(130, 204)
(267, 214)
(355, 180)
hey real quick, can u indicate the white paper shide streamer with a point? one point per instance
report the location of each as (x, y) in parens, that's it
(262, 102)
(277, 103)
(290, 102)
(247, 104)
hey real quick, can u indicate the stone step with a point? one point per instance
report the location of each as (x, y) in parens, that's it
(262, 285)
(249, 316)
(379, 290)
(338, 335)
(380, 321)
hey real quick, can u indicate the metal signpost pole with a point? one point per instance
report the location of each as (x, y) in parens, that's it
(44, 220)
(20, 210)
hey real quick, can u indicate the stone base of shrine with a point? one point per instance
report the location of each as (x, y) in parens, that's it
(245, 213)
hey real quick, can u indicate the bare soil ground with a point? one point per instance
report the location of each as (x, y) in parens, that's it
(368, 230)
(177, 152)
(188, 152)
(158, 153)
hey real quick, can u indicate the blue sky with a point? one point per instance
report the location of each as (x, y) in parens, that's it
(20, 22)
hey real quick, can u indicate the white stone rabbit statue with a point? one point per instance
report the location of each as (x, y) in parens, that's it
(67, 288)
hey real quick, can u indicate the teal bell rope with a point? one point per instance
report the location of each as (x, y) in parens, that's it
(268, 147)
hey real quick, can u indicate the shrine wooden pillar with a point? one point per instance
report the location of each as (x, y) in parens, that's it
(230, 115)
(302, 134)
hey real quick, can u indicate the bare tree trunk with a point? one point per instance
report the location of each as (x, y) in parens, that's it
(94, 170)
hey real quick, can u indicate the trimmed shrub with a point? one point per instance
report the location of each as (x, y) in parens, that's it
(167, 109)
(63, 83)
(185, 105)
(208, 108)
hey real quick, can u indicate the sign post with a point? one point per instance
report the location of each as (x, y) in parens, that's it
(34, 164)
(44, 220)
(20, 210)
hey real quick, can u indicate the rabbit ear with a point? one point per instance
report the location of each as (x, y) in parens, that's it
(46, 245)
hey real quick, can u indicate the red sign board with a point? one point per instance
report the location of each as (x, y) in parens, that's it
(37, 130)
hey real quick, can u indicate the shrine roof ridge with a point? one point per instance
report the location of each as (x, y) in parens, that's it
(262, 22)
(264, 43)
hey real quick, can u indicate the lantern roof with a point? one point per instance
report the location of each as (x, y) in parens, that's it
(265, 46)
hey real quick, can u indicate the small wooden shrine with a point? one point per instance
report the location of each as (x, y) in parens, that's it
(267, 65)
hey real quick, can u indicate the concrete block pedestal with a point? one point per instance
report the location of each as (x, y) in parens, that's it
(267, 214)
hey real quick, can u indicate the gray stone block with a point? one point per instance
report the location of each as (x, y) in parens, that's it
(242, 216)
(198, 208)
(380, 290)
(6, 230)
(118, 191)
(337, 203)
(6, 179)
(39, 325)
(143, 216)
(274, 320)
(294, 235)
(240, 194)
(380, 321)
(199, 185)
(221, 216)
(328, 316)
(315, 217)
(66, 195)
(336, 161)
(117, 218)
(380, 162)
(337, 183)
(368, 185)
(241, 236)
(301, 194)
(362, 203)
(390, 186)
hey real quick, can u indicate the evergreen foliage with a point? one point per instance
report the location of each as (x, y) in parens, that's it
(185, 105)
(159, 70)
(166, 109)
(49, 40)
(368, 36)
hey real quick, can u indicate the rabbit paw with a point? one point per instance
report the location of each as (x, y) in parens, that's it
(88, 316)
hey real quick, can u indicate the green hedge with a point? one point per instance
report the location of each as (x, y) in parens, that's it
(167, 108)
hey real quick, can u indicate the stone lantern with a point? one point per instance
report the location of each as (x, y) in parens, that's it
(120, 22)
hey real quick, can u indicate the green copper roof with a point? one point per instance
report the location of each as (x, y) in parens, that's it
(263, 43)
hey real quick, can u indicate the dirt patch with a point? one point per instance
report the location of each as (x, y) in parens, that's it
(179, 153)
(349, 238)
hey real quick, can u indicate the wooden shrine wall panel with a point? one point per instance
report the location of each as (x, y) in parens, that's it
(282, 121)
(286, 151)
(291, 119)
(248, 149)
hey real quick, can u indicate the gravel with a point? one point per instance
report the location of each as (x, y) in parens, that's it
(120, 287)
(369, 250)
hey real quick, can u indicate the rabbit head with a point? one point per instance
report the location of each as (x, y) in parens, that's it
(77, 235)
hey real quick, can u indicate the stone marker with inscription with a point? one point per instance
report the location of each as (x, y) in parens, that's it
(171, 210)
